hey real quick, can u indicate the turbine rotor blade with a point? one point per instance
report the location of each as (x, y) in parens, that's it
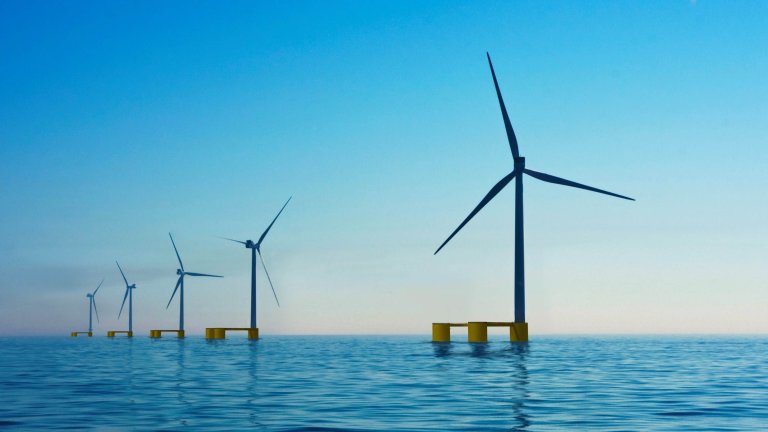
(93, 299)
(507, 124)
(202, 274)
(121, 272)
(236, 241)
(268, 278)
(177, 251)
(97, 288)
(488, 197)
(557, 180)
(121, 306)
(178, 282)
(273, 222)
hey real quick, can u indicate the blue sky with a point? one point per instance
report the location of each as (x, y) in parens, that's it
(123, 121)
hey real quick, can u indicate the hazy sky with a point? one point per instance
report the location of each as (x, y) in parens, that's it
(121, 121)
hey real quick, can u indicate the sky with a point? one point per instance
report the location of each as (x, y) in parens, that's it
(123, 121)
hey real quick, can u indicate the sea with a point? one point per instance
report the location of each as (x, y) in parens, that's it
(385, 383)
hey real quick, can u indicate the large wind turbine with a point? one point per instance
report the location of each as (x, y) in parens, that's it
(92, 307)
(256, 249)
(128, 295)
(180, 283)
(517, 175)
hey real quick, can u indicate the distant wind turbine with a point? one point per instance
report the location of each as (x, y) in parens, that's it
(517, 175)
(92, 307)
(128, 295)
(180, 283)
(256, 249)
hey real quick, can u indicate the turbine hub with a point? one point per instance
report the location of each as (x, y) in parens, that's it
(520, 164)
(249, 244)
(179, 272)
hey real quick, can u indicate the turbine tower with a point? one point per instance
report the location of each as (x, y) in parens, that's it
(128, 295)
(92, 307)
(517, 175)
(180, 283)
(256, 249)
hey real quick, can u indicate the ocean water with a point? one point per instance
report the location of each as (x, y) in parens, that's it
(384, 383)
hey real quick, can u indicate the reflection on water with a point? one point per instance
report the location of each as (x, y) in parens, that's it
(383, 383)
(180, 378)
(515, 356)
(442, 349)
(479, 349)
(519, 379)
(252, 387)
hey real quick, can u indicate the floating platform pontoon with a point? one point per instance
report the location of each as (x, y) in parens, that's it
(221, 332)
(477, 331)
(74, 334)
(158, 333)
(112, 333)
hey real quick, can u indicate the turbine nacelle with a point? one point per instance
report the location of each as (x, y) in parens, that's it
(251, 245)
(179, 272)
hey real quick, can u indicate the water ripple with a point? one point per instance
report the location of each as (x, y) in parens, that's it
(384, 383)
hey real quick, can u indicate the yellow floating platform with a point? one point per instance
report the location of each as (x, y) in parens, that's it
(477, 331)
(74, 334)
(158, 333)
(221, 332)
(112, 333)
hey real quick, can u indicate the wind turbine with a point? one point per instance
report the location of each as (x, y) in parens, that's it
(256, 249)
(517, 175)
(180, 283)
(128, 295)
(92, 307)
